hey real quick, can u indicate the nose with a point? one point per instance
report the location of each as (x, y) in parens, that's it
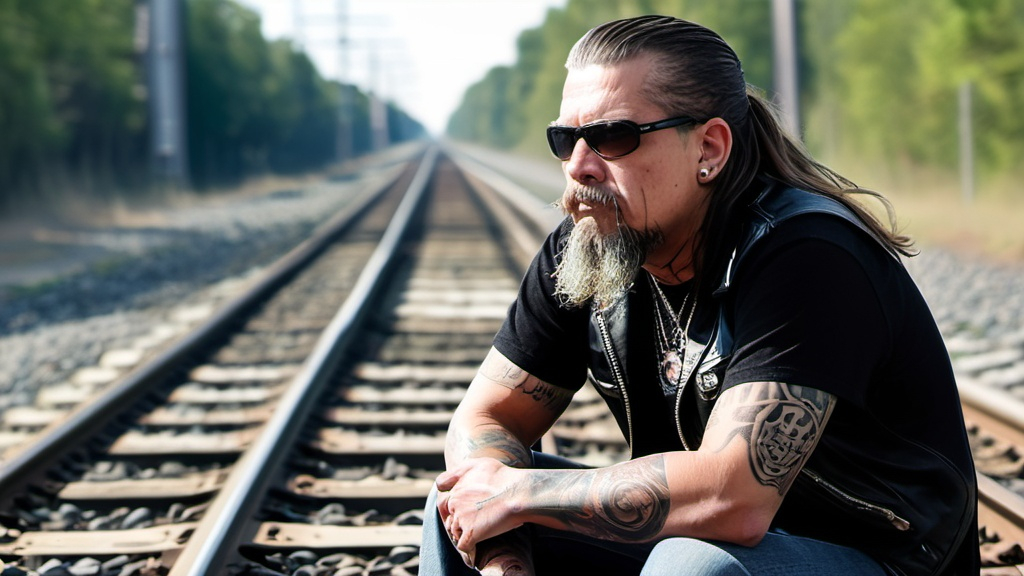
(585, 166)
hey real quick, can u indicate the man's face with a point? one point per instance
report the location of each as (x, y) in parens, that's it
(653, 190)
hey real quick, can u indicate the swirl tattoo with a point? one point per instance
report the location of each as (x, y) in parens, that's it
(624, 503)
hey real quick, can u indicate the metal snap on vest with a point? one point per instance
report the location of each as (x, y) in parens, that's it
(707, 385)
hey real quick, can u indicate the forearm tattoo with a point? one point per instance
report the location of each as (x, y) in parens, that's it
(507, 374)
(625, 503)
(495, 443)
(781, 424)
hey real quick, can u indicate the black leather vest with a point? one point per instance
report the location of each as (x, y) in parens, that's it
(912, 522)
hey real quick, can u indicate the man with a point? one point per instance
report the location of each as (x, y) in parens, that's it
(786, 396)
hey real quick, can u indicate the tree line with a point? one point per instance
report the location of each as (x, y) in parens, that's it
(73, 101)
(879, 80)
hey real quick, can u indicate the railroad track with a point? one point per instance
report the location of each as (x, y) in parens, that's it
(995, 423)
(299, 430)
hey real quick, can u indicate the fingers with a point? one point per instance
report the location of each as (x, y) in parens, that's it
(459, 537)
(466, 542)
(455, 533)
(463, 540)
(446, 480)
(451, 525)
(454, 538)
(442, 504)
(453, 498)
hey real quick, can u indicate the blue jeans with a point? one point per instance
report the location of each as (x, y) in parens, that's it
(557, 552)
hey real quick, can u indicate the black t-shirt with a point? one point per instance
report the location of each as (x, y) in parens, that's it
(817, 303)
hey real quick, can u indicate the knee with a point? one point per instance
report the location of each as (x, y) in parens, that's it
(434, 533)
(685, 556)
(430, 513)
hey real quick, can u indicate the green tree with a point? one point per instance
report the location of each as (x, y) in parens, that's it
(73, 109)
(70, 113)
(511, 106)
(228, 64)
(308, 111)
(993, 62)
(29, 128)
(256, 106)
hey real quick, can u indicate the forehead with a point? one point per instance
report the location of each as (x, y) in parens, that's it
(607, 93)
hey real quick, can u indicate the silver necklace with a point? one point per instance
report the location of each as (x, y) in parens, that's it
(671, 348)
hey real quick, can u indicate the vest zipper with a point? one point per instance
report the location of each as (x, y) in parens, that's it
(691, 361)
(679, 421)
(613, 360)
(890, 516)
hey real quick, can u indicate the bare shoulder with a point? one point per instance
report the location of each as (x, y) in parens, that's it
(780, 423)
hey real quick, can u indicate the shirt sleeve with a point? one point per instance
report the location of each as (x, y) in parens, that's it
(540, 335)
(807, 312)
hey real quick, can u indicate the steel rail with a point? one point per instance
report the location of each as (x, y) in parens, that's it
(994, 403)
(20, 464)
(543, 218)
(1000, 510)
(230, 511)
(1004, 418)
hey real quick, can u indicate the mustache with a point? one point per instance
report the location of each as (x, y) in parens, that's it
(580, 193)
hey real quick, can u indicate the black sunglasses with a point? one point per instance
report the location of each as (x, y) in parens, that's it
(609, 139)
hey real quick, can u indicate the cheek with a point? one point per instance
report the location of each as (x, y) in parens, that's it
(649, 194)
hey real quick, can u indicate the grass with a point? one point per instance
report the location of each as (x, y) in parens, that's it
(931, 208)
(17, 291)
(988, 227)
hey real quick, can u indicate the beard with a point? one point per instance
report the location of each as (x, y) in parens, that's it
(600, 268)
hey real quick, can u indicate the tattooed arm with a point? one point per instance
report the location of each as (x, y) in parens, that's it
(504, 412)
(759, 437)
(757, 440)
(779, 424)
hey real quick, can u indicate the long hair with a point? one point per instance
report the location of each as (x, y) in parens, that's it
(696, 73)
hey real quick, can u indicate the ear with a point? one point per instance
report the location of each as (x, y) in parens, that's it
(716, 145)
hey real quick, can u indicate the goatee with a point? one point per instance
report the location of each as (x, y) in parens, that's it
(600, 268)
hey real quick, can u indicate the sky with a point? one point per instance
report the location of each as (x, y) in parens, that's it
(419, 54)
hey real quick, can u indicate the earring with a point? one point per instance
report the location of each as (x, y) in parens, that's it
(704, 173)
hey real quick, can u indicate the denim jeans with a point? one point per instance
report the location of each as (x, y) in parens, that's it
(560, 553)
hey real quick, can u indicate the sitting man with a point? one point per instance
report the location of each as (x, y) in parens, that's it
(786, 396)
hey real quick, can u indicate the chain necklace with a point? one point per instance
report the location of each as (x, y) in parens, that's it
(671, 343)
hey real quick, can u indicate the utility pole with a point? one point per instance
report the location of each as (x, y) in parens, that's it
(785, 71)
(378, 107)
(346, 101)
(165, 65)
(966, 143)
(298, 22)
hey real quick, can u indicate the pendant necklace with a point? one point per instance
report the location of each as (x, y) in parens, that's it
(672, 341)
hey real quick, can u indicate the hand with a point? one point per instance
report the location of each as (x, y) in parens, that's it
(473, 500)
